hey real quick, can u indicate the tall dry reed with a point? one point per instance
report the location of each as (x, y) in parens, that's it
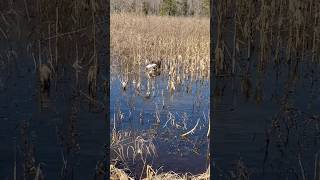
(180, 43)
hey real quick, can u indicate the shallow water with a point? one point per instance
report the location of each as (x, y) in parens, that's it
(173, 153)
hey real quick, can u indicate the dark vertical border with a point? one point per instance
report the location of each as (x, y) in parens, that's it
(211, 86)
(107, 101)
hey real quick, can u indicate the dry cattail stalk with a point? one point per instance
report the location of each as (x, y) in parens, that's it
(181, 42)
(45, 73)
(92, 79)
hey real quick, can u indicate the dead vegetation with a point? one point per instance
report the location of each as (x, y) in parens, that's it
(45, 75)
(180, 43)
(52, 35)
(92, 79)
(126, 147)
(264, 32)
(151, 174)
(142, 48)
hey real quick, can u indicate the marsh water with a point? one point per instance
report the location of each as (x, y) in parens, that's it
(161, 116)
(263, 123)
(266, 123)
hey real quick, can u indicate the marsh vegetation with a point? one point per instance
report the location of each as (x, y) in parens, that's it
(51, 116)
(266, 86)
(159, 95)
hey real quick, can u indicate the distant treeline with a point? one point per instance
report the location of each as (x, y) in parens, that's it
(163, 7)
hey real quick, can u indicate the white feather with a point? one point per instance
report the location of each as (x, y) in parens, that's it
(151, 66)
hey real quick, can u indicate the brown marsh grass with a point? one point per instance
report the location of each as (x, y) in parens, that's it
(281, 31)
(118, 174)
(180, 43)
(125, 146)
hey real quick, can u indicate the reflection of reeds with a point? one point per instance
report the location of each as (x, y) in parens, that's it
(30, 169)
(241, 171)
(92, 80)
(68, 138)
(45, 76)
(72, 144)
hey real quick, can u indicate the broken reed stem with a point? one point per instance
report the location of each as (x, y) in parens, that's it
(51, 63)
(39, 54)
(15, 161)
(278, 43)
(234, 43)
(57, 29)
(4, 34)
(301, 168)
(219, 54)
(314, 42)
(26, 9)
(316, 167)
(94, 33)
(77, 62)
(303, 38)
(66, 33)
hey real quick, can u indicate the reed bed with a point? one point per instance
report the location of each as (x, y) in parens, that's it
(180, 43)
(264, 32)
(118, 174)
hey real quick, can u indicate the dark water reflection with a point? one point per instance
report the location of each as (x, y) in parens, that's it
(55, 130)
(269, 122)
